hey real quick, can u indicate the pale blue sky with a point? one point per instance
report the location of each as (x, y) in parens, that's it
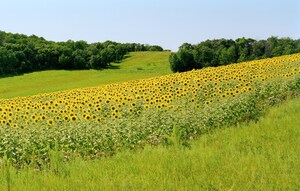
(167, 23)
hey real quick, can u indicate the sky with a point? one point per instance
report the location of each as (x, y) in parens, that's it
(168, 23)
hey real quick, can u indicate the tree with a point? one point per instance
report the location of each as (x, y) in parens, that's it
(2, 37)
(258, 48)
(202, 55)
(80, 58)
(182, 61)
(186, 46)
(80, 45)
(65, 61)
(271, 43)
(228, 56)
(225, 51)
(96, 62)
(8, 61)
(154, 48)
(288, 45)
(175, 63)
(297, 46)
(244, 48)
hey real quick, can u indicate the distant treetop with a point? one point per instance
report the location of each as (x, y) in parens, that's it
(225, 51)
(20, 53)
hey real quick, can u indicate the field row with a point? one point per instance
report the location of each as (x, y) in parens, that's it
(197, 88)
(98, 121)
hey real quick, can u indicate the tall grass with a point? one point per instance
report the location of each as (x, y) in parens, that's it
(263, 155)
(138, 65)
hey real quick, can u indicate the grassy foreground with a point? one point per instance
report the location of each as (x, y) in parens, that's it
(259, 156)
(138, 65)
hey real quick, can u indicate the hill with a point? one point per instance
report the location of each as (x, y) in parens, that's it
(137, 65)
(21, 54)
(259, 156)
(100, 121)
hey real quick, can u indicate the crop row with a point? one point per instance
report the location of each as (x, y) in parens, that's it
(98, 121)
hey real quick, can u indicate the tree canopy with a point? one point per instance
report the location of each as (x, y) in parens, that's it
(21, 53)
(225, 51)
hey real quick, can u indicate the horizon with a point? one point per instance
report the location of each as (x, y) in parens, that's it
(166, 23)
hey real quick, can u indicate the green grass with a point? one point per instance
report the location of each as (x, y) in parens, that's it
(259, 156)
(138, 65)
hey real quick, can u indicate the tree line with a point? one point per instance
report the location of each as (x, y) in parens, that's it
(225, 51)
(20, 53)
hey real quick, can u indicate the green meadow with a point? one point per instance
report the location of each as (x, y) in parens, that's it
(257, 148)
(137, 65)
(262, 155)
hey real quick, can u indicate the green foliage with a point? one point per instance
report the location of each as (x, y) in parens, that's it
(222, 52)
(175, 138)
(2, 37)
(178, 138)
(56, 158)
(262, 155)
(6, 166)
(153, 64)
(22, 54)
(32, 145)
(183, 61)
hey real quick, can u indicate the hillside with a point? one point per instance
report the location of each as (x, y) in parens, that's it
(100, 121)
(137, 65)
(21, 54)
(59, 133)
(259, 156)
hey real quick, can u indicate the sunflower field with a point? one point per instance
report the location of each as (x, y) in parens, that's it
(99, 121)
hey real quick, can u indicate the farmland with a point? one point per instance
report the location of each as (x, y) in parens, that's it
(250, 157)
(149, 95)
(98, 122)
(136, 65)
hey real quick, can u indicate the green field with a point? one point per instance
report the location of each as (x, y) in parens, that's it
(259, 156)
(239, 140)
(137, 65)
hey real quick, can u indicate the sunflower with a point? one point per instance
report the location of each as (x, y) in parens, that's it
(66, 118)
(50, 122)
(73, 118)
